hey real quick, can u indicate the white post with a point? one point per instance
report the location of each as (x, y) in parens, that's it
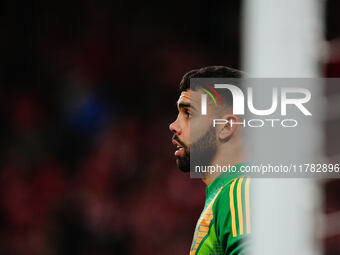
(282, 39)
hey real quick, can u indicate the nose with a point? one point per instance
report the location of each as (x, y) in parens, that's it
(174, 128)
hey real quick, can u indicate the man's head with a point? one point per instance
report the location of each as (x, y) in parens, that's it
(204, 138)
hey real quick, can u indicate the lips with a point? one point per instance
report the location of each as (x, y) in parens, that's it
(179, 147)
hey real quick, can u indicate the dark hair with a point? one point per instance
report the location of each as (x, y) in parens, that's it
(212, 72)
(209, 72)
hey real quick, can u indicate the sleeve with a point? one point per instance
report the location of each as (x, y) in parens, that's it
(232, 207)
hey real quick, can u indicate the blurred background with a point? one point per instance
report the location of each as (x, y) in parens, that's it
(88, 90)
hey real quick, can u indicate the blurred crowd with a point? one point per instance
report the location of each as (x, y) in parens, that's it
(88, 92)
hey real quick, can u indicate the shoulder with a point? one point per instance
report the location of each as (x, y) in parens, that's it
(235, 190)
(232, 206)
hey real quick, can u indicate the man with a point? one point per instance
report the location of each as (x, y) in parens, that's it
(224, 225)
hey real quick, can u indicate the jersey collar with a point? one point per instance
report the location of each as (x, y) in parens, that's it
(221, 180)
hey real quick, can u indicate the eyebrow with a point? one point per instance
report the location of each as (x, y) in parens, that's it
(186, 105)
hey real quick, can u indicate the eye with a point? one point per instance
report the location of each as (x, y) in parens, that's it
(188, 114)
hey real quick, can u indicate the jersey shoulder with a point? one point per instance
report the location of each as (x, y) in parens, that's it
(232, 208)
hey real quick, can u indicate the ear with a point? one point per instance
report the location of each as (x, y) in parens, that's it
(226, 132)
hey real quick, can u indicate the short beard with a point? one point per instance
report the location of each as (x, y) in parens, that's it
(202, 151)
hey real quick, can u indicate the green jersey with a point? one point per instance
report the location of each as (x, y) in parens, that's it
(224, 224)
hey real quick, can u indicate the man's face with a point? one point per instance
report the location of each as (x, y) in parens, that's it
(203, 136)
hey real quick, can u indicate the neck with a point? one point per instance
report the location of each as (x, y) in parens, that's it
(230, 155)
